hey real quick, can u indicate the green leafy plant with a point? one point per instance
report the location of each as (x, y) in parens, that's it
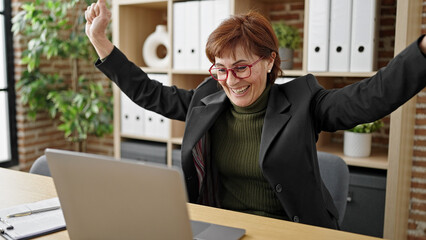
(288, 36)
(55, 29)
(367, 127)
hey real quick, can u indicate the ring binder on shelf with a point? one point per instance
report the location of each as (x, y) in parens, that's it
(340, 35)
(363, 35)
(318, 32)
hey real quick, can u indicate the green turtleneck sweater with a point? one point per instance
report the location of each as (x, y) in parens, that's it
(235, 145)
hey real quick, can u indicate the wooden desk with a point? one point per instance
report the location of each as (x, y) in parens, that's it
(19, 187)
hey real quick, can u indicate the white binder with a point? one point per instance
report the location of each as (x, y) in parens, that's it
(340, 35)
(192, 35)
(363, 35)
(137, 121)
(125, 110)
(222, 10)
(207, 26)
(179, 32)
(318, 35)
(132, 117)
(150, 123)
(157, 126)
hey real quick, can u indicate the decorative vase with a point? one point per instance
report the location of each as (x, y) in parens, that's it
(159, 38)
(286, 55)
(357, 144)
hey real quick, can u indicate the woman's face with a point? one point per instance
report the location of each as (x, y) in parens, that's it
(244, 92)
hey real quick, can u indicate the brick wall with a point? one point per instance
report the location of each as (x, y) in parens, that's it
(417, 216)
(35, 136)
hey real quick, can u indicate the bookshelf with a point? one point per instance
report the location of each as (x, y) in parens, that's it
(134, 20)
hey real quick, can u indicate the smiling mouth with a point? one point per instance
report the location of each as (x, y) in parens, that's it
(240, 91)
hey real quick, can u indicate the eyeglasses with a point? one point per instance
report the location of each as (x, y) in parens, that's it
(240, 71)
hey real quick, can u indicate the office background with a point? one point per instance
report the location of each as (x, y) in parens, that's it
(34, 137)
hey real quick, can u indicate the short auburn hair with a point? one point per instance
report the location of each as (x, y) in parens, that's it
(253, 32)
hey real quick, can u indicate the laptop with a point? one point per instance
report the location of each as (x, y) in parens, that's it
(104, 198)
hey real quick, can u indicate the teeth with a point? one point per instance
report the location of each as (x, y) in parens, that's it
(241, 90)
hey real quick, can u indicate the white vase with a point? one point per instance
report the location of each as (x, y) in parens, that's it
(158, 38)
(357, 144)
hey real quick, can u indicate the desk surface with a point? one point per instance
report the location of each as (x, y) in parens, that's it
(20, 187)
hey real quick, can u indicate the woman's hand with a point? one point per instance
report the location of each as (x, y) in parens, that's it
(97, 19)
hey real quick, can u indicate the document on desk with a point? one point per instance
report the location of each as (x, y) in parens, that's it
(31, 220)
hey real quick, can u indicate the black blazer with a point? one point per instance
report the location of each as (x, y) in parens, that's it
(297, 112)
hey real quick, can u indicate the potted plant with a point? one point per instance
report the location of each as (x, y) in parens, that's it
(55, 29)
(289, 40)
(357, 140)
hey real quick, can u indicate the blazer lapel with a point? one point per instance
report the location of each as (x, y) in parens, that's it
(275, 119)
(203, 117)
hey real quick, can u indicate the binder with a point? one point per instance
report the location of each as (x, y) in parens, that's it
(222, 10)
(207, 26)
(318, 35)
(363, 35)
(125, 114)
(193, 21)
(160, 77)
(179, 32)
(192, 35)
(340, 35)
(132, 117)
(156, 125)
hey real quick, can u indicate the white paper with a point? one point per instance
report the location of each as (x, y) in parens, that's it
(33, 224)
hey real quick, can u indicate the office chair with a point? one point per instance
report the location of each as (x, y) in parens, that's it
(40, 166)
(335, 175)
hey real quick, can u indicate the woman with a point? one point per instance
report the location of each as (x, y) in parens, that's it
(249, 144)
